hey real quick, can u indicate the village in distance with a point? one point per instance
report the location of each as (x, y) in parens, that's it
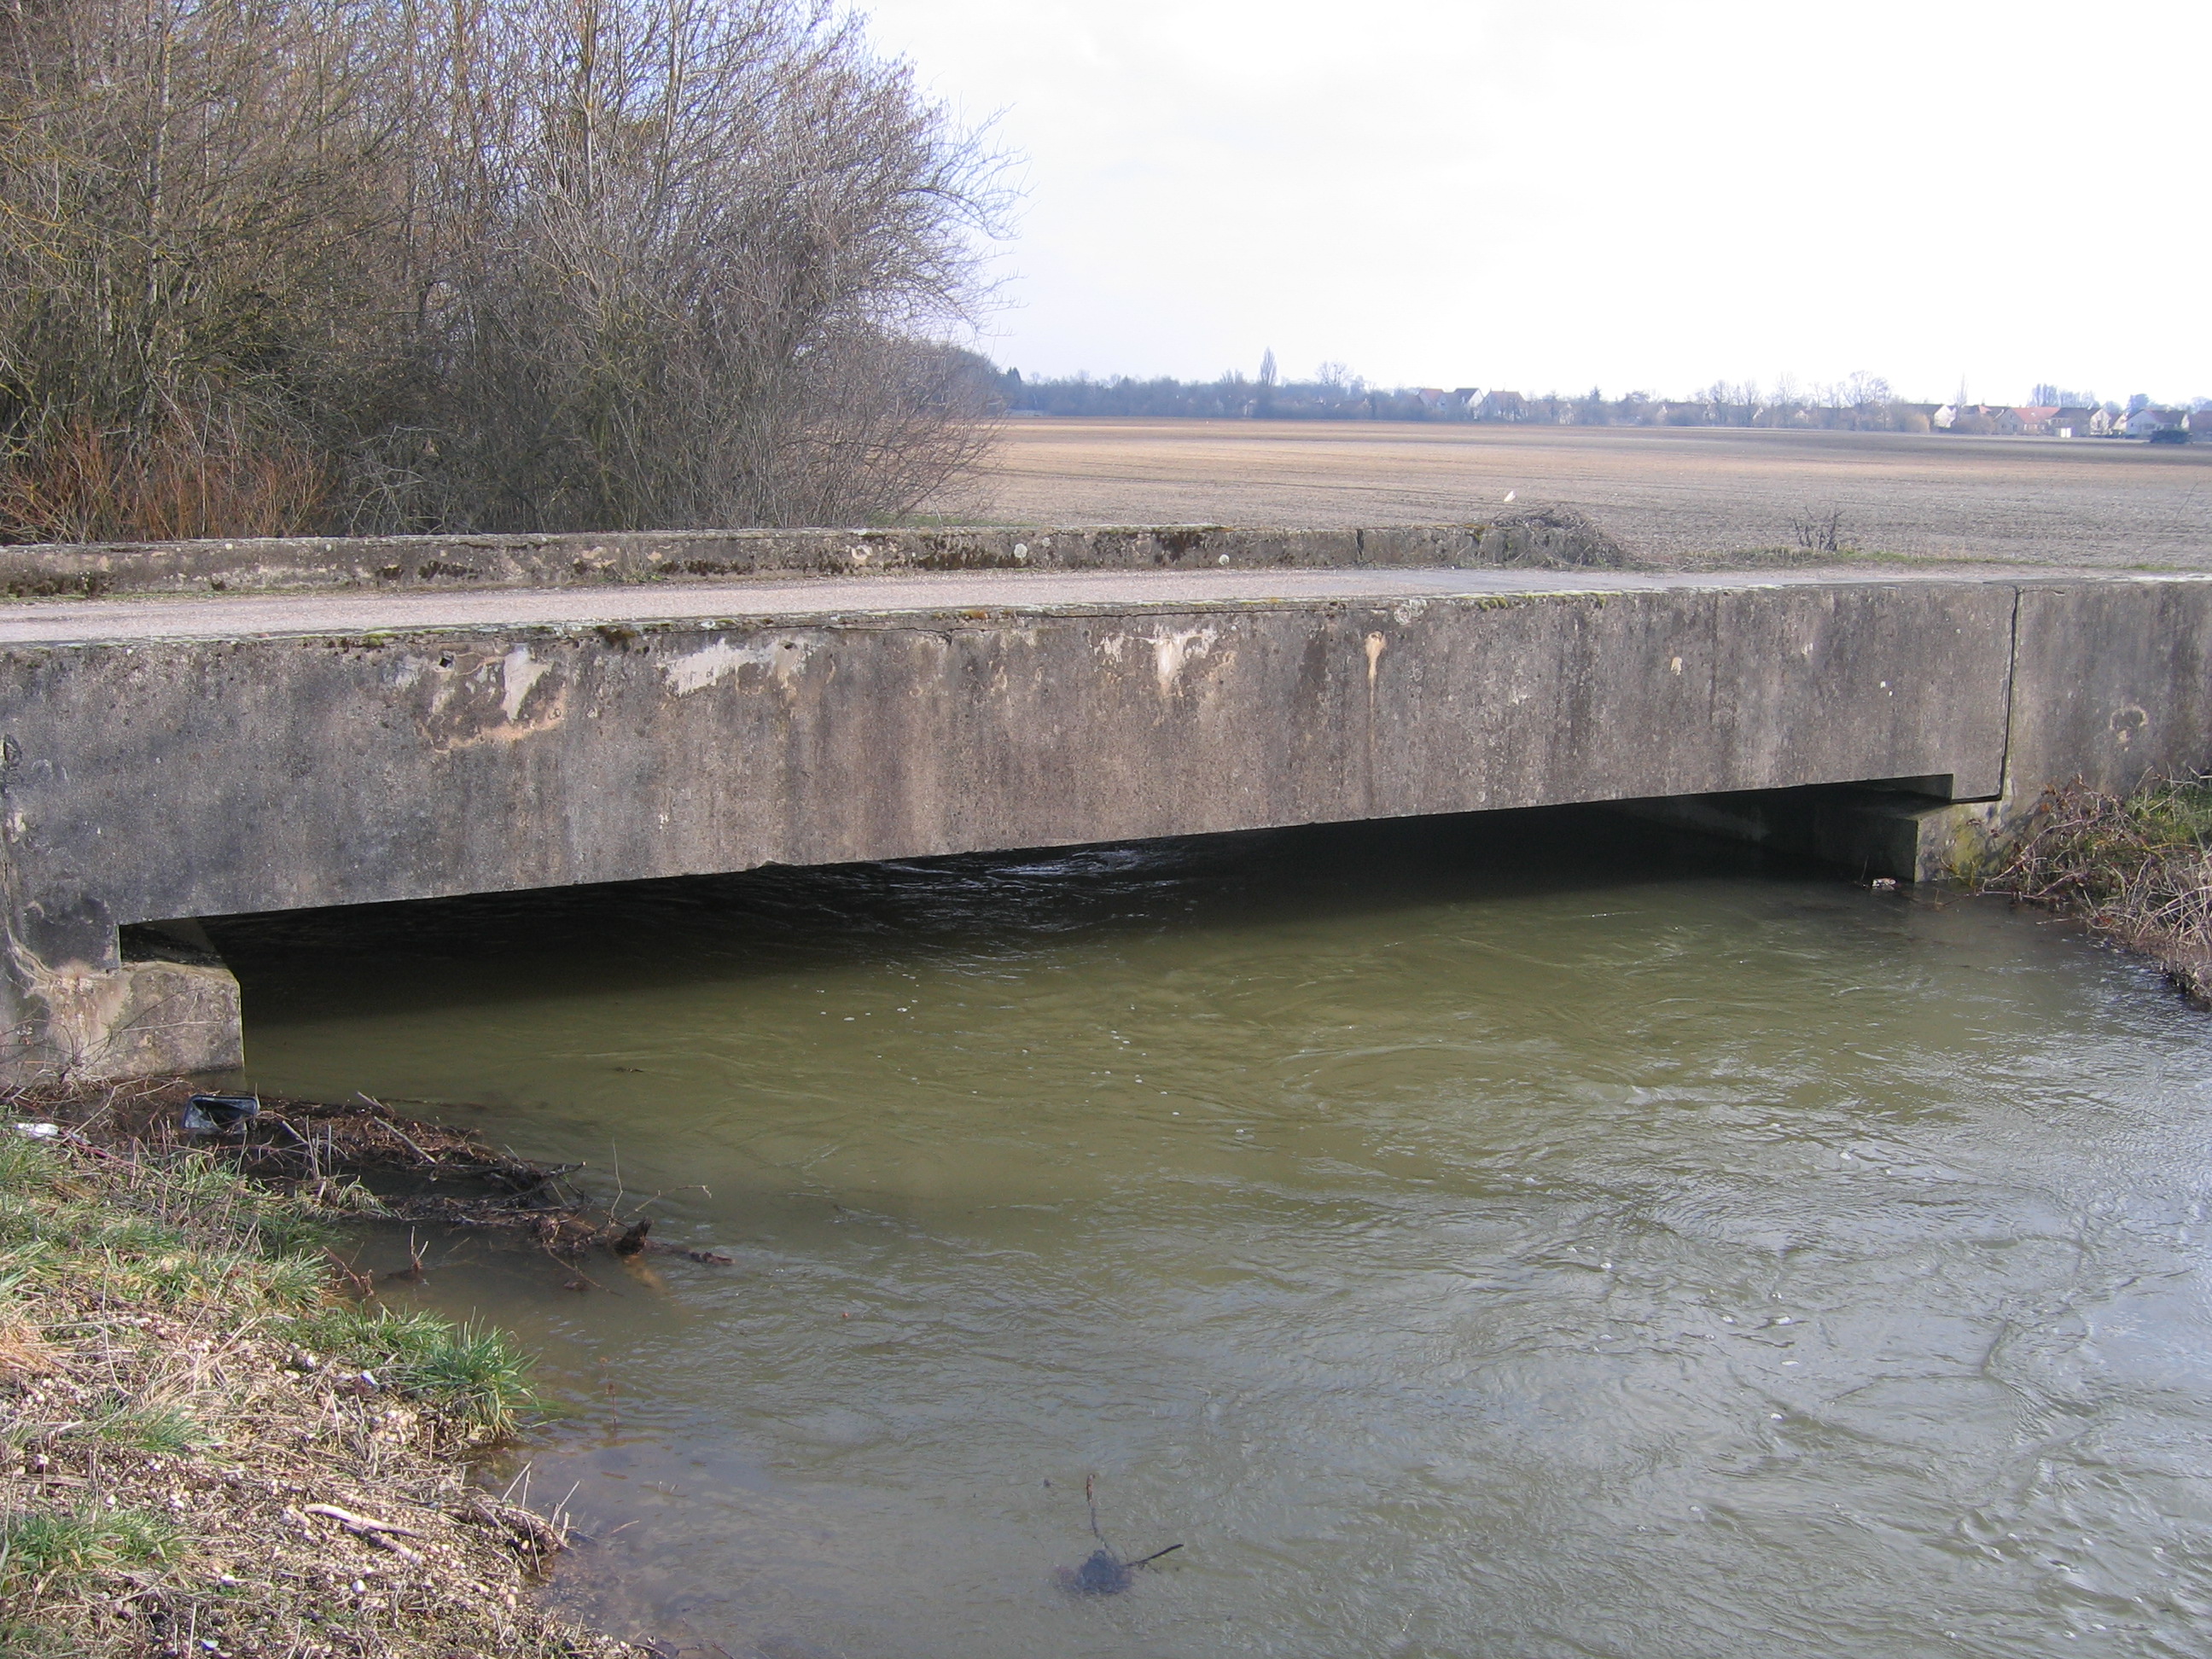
(1864, 403)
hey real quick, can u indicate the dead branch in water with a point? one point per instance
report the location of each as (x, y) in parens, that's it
(327, 1151)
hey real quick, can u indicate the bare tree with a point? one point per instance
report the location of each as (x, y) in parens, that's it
(491, 264)
(192, 198)
(696, 257)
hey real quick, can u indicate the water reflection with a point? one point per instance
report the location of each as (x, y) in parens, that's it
(1506, 1237)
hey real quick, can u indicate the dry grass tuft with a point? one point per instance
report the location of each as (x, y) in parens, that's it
(24, 1353)
(86, 484)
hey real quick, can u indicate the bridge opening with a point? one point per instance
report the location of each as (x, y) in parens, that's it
(635, 940)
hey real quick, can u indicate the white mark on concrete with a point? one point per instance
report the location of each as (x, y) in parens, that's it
(1021, 550)
(697, 670)
(1674, 666)
(518, 672)
(1171, 651)
(1376, 643)
(1223, 559)
(1111, 645)
(859, 555)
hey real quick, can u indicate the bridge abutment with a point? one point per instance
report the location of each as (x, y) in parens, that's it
(83, 1000)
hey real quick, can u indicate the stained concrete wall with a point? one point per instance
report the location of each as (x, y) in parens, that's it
(2114, 681)
(267, 773)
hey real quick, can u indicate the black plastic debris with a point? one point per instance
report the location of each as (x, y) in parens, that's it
(215, 1114)
(1102, 1572)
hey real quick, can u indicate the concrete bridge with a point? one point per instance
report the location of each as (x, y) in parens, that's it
(219, 728)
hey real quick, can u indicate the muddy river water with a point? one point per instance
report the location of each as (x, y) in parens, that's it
(1493, 1237)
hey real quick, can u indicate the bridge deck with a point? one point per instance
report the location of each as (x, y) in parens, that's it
(90, 621)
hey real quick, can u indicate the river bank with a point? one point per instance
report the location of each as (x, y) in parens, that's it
(213, 1441)
(2137, 867)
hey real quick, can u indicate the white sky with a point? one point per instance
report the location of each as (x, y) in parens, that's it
(1634, 194)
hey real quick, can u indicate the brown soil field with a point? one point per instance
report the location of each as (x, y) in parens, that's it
(1666, 492)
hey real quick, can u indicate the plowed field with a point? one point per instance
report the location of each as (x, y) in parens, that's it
(1668, 493)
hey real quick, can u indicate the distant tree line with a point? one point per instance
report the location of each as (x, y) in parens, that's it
(1335, 393)
(381, 265)
(1863, 403)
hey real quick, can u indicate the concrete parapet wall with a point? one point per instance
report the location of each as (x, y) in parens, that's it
(2113, 682)
(293, 564)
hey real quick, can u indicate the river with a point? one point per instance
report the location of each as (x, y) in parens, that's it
(1523, 1236)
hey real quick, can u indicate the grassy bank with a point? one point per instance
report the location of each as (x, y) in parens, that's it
(204, 1449)
(2138, 867)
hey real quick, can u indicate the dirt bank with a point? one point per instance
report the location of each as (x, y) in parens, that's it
(209, 1444)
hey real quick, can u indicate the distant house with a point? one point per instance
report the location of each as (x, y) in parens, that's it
(1502, 406)
(2144, 421)
(2080, 420)
(2030, 420)
(1942, 417)
(2200, 423)
(1981, 419)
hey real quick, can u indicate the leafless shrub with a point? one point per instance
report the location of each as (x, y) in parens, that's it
(496, 264)
(1819, 533)
(696, 257)
(191, 197)
(2137, 866)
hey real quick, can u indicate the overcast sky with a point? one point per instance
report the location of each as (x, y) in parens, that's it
(1632, 194)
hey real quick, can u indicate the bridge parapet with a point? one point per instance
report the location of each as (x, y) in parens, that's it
(1543, 537)
(176, 761)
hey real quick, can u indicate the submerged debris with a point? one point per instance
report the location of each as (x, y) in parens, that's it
(208, 1114)
(1102, 1572)
(326, 1150)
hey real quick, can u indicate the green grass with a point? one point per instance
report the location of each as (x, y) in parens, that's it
(188, 1233)
(163, 1429)
(49, 1548)
(470, 1372)
(178, 1233)
(2174, 814)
